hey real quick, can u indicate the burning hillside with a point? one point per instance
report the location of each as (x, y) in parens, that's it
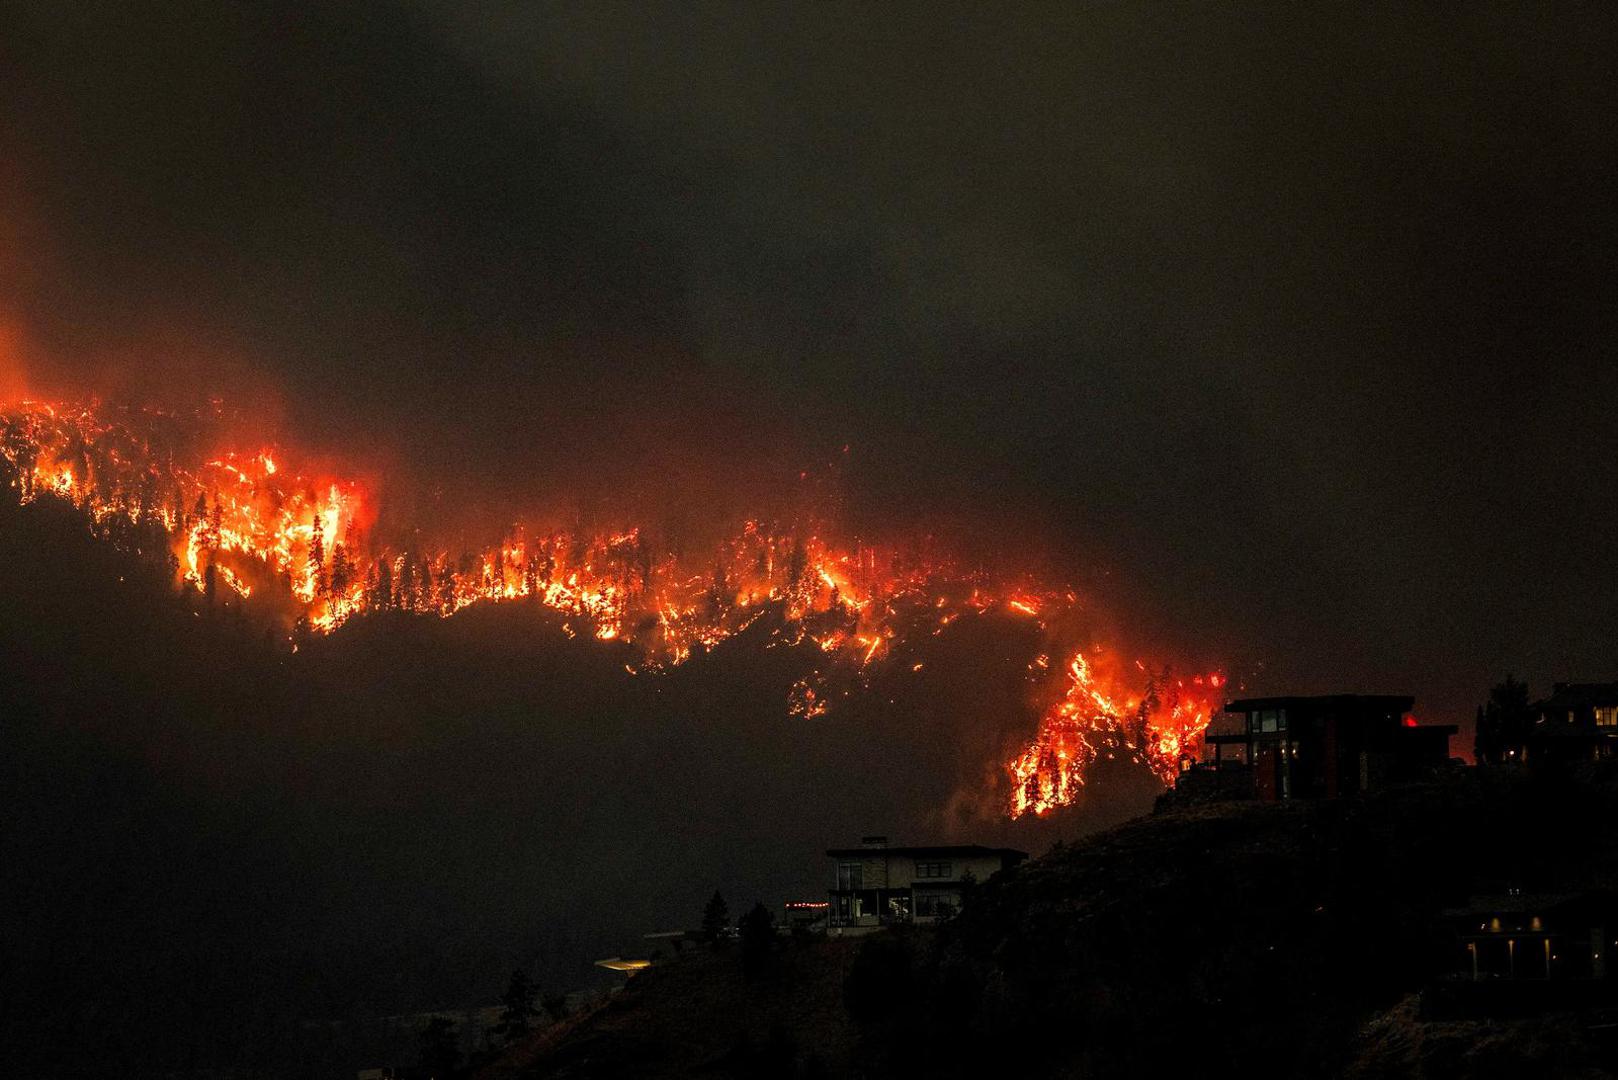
(249, 526)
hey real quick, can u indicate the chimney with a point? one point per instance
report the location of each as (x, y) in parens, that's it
(874, 841)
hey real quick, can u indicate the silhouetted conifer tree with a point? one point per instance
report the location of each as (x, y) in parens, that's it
(555, 1006)
(643, 562)
(406, 592)
(1503, 723)
(340, 570)
(440, 1048)
(715, 919)
(797, 564)
(317, 558)
(446, 588)
(517, 1007)
(757, 931)
(424, 588)
(382, 592)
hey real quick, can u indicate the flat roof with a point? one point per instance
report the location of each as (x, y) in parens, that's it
(1390, 702)
(1578, 695)
(1277, 736)
(962, 851)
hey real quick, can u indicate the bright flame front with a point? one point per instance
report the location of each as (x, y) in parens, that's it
(249, 525)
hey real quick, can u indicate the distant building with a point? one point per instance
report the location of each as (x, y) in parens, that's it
(1318, 747)
(1578, 722)
(1534, 936)
(878, 885)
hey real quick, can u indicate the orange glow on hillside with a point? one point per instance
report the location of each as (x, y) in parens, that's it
(250, 525)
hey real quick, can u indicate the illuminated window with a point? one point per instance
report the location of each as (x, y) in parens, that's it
(1607, 716)
(1268, 720)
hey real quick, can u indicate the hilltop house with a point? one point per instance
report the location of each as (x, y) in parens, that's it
(1319, 747)
(878, 885)
(1578, 722)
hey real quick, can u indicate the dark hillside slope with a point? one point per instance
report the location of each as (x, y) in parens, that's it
(221, 855)
(1259, 939)
(1237, 940)
(699, 1014)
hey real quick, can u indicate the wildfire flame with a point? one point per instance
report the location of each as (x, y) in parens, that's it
(248, 524)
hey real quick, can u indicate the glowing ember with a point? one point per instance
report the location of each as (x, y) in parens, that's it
(807, 698)
(248, 525)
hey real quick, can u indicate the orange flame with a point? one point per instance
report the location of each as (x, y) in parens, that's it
(251, 524)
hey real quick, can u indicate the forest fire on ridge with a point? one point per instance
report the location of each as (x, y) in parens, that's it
(250, 524)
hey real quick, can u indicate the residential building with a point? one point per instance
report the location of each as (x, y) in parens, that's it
(1321, 747)
(877, 884)
(1518, 936)
(1578, 722)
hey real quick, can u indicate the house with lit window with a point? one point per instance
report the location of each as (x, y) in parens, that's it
(1578, 722)
(878, 885)
(1322, 747)
(1518, 953)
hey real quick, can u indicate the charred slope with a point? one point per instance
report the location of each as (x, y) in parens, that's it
(1223, 941)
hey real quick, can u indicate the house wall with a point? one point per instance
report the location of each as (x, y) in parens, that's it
(883, 870)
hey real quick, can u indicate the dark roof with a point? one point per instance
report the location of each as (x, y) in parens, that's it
(1367, 702)
(1237, 737)
(1578, 695)
(1532, 903)
(962, 851)
(1512, 904)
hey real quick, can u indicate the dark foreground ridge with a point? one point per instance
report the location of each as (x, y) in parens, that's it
(1275, 940)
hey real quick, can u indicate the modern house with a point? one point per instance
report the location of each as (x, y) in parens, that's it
(877, 885)
(1578, 722)
(1321, 747)
(1519, 936)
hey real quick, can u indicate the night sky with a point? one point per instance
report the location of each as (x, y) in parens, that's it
(1294, 335)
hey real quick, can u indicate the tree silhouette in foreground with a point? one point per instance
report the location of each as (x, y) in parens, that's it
(440, 1048)
(1503, 723)
(518, 1014)
(715, 919)
(556, 1006)
(758, 940)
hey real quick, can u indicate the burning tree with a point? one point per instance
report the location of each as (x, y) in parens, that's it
(249, 524)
